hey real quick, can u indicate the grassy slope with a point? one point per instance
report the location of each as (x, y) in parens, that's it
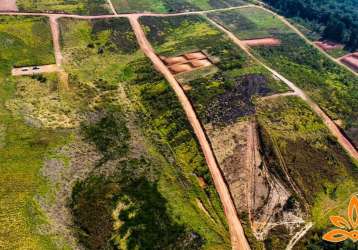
(164, 6)
(170, 142)
(84, 7)
(22, 148)
(320, 168)
(331, 86)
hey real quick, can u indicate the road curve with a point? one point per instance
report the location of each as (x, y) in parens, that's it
(342, 140)
(238, 239)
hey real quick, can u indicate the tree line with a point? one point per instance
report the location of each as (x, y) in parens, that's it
(336, 20)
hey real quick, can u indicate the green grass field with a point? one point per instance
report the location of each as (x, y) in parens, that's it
(84, 7)
(169, 161)
(165, 6)
(23, 148)
(250, 23)
(331, 86)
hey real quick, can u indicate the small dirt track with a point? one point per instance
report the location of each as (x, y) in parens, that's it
(238, 238)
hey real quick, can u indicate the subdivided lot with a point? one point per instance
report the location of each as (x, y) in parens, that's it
(168, 6)
(331, 86)
(23, 146)
(83, 7)
(297, 142)
(223, 92)
(151, 189)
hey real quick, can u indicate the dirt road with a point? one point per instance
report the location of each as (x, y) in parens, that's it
(112, 7)
(8, 5)
(345, 143)
(238, 238)
(31, 70)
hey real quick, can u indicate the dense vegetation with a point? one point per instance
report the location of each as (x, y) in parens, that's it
(135, 121)
(164, 6)
(335, 20)
(331, 86)
(296, 141)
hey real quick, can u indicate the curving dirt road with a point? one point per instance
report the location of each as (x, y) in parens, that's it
(345, 143)
(238, 238)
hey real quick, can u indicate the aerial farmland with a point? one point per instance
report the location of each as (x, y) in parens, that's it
(166, 124)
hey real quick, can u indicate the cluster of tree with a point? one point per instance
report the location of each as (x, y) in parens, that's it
(338, 18)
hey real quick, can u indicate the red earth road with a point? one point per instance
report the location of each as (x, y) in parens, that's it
(238, 239)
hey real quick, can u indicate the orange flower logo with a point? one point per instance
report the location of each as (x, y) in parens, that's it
(347, 229)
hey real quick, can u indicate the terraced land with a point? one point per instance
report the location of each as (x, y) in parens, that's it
(83, 7)
(295, 140)
(223, 94)
(331, 86)
(23, 147)
(168, 6)
(150, 188)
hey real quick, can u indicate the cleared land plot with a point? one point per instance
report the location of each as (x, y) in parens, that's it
(168, 6)
(32, 70)
(23, 147)
(351, 61)
(8, 5)
(296, 140)
(187, 62)
(83, 7)
(262, 42)
(155, 188)
(327, 45)
(331, 86)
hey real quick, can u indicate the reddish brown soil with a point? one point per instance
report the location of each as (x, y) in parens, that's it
(8, 5)
(200, 63)
(180, 68)
(262, 42)
(173, 60)
(195, 56)
(328, 45)
(351, 61)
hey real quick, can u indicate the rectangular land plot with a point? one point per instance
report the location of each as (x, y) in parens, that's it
(169, 6)
(83, 7)
(164, 158)
(333, 87)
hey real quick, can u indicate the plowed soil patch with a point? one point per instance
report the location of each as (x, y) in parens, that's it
(262, 42)
(8, 5)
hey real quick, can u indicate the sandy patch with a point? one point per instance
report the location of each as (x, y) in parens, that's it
(179, 68)
(195, 56)
(8, 5)
(328, 45)
(262, 42)
(351, 61)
